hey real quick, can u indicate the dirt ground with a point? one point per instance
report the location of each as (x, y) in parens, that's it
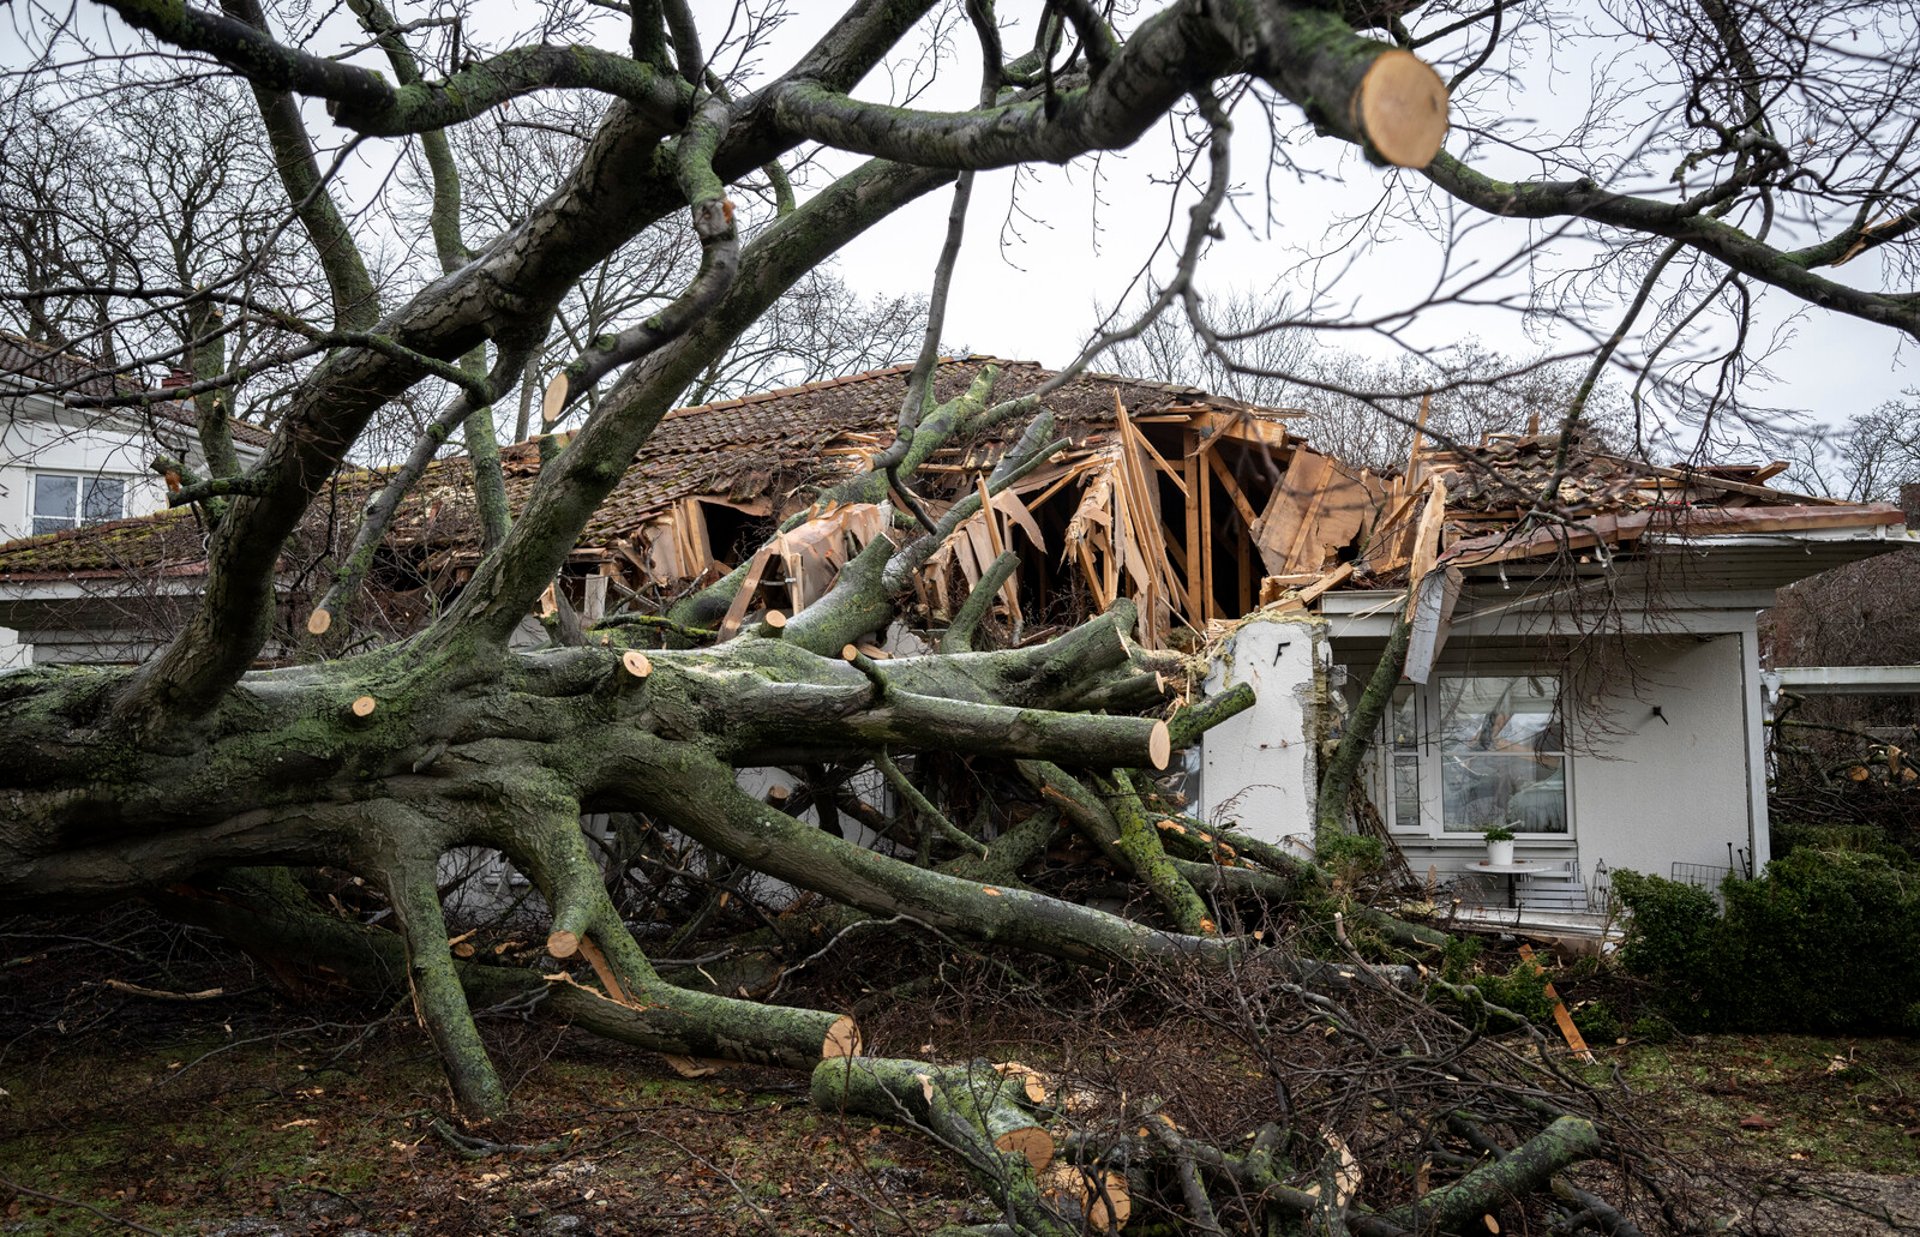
(244, 1115)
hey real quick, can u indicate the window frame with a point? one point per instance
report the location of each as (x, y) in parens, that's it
(83, 485)
(1426, 756)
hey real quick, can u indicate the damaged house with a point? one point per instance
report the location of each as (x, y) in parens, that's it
(1585, 675)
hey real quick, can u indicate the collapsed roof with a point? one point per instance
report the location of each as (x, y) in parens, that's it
(1198, 506)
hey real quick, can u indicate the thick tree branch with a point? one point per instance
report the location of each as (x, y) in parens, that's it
(567, 494)
(1791, 271)
(364, 101)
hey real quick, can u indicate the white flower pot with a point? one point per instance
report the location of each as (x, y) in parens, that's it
(1500, 852)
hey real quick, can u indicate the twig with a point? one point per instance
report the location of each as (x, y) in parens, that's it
(59, 1201)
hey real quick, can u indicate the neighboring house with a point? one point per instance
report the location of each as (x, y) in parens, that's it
(1588, 677)
(64, 468)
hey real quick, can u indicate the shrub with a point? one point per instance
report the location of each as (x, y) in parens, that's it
(1669, 929)
(1822, 941)
(1351, 855)
(1522, 990)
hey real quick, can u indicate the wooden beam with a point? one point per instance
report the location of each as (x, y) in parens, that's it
(1426, 545)
(1010, 591)
(1411, 477)
(1159, 460)
(1209, 608)
(1144, 518)
(1196, 609)
(1694, 476)
(1242, 426)
(744, 598)
(1332, 579)
(1248, 517)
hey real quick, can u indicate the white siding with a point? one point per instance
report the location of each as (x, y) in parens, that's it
(1258, 768)
(1645, 793)
(1680, 790)
(36, 437)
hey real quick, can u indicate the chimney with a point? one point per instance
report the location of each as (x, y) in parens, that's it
(1910, 503)
(176, 378)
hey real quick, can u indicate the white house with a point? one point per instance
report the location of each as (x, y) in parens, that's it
(1585, 674)
(63, 468)
(1596, 690)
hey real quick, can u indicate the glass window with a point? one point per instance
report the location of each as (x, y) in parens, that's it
(55, 503)
(1404, 738)
(68, 502)
(102, 498)
(1500, 753)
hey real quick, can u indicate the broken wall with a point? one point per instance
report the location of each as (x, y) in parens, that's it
(1260, 768)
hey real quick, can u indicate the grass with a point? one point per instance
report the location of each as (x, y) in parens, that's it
(1821, 1102)
(289, 1130)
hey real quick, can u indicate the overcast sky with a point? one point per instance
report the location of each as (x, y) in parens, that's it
(1033, 276)
(1034, 272)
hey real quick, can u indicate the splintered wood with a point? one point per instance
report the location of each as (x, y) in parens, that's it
(1196, 509)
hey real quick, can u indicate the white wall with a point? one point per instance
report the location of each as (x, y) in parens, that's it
(1258, 768)
(37, 435)
(1656, 792)
(1645, 793)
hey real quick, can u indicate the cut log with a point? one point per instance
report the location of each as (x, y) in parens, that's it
(554, 400)
(842, 1040)
(1037, 1087)
(364, 706)
(1097, 1199)
(636, 663)
(318, 622)
(971, 1109)
(1401, 106)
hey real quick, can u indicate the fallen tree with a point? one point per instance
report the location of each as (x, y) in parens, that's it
(203, 783)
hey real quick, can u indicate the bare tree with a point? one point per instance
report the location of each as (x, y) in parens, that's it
(1791, 140)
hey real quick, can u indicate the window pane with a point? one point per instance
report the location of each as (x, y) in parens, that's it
(1525, 793)
(54, 497)
(105, 498)
(1499, 713)
(1406, 792)
(1405, 736)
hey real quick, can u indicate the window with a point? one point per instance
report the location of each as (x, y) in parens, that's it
(1466, 752)
(68, 502)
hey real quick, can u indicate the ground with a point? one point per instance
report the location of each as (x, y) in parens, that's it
(246, 1114)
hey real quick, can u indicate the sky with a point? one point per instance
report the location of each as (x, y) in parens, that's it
(1037, 266)
(1033, 277)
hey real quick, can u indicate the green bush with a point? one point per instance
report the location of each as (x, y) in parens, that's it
(1522, 990)
(1670, 927)
(1350, 855)
(1863, 838)
(1823, 941)
(1457, 957)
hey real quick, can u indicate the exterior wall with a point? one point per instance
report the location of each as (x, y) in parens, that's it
(37, 436)
(1258, 769)
(1682, 789)
(1643, 792)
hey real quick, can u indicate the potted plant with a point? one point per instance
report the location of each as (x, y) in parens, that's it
(1499, 845)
